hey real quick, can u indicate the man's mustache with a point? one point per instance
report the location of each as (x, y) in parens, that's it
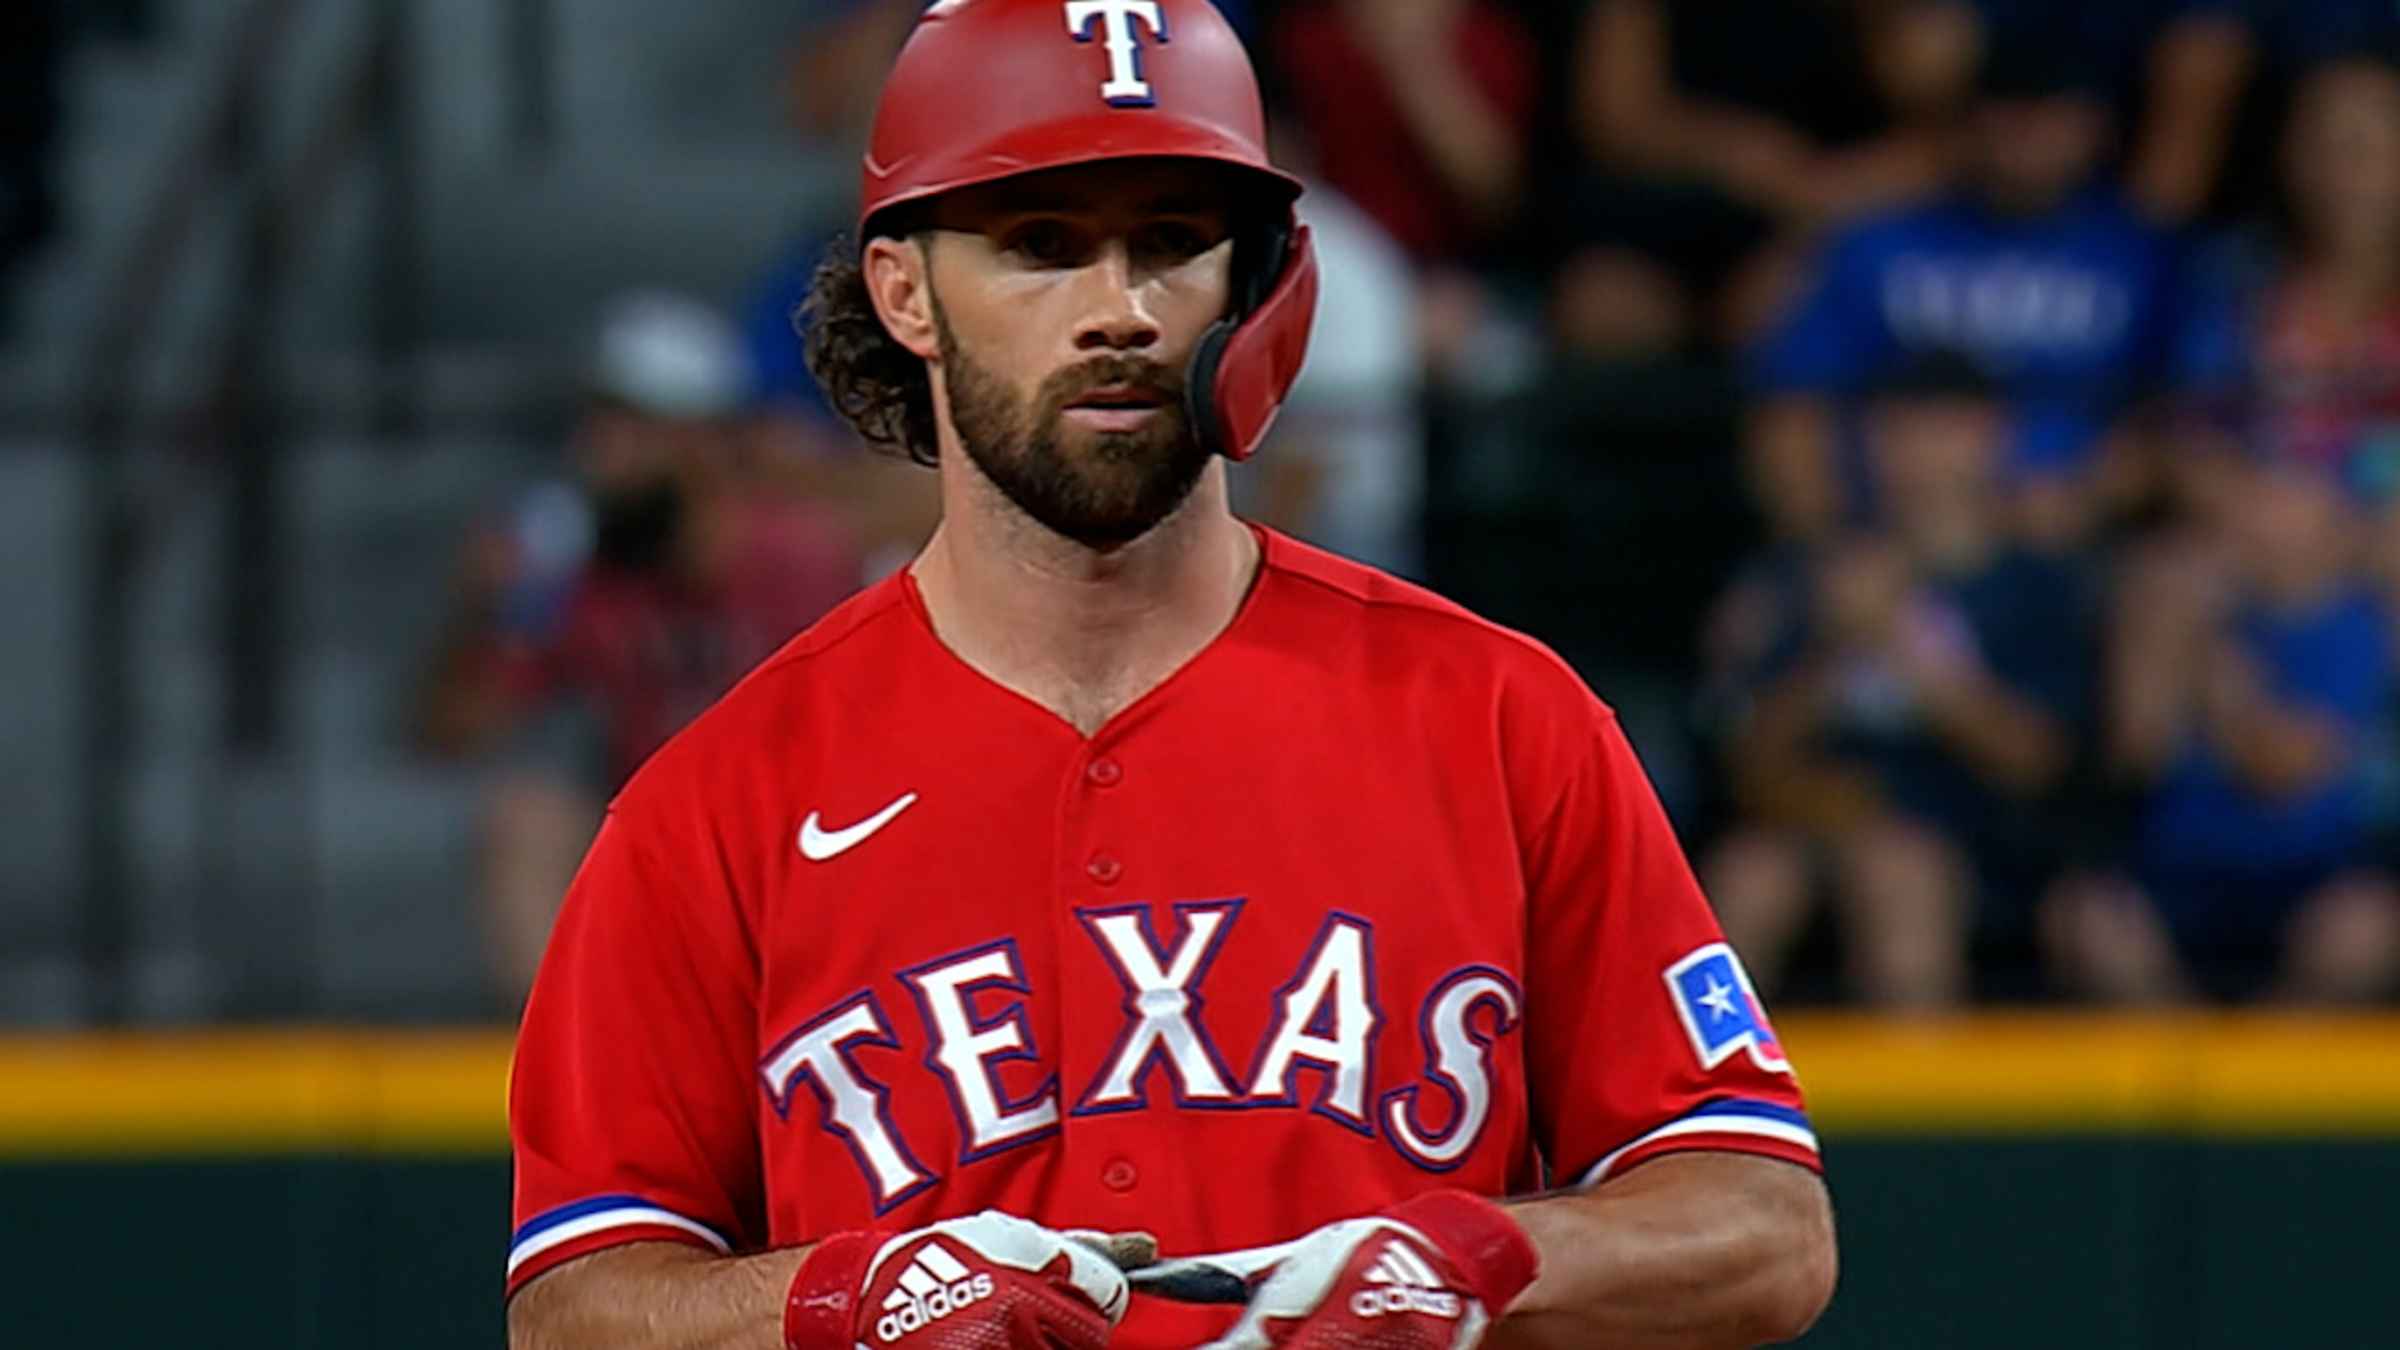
(1105, 372)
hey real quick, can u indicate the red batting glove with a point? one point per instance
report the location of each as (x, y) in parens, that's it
(979, 1283)
(1430, 1274)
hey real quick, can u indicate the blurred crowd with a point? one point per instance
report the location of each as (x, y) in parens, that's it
(1962, 436)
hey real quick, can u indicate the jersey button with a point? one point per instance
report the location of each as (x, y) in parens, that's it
(1104, 869)
(1120, 1175)
(1105, 773)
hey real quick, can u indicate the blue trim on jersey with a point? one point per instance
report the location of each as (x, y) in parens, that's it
(1746, 1106)
(599, 1204)
(1729, 1110)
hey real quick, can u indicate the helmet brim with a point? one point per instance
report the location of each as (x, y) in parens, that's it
(1101, 137)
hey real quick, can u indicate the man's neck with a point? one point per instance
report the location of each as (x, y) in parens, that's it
(1084, 633)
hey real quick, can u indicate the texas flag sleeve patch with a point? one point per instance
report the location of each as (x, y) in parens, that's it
(1721, 1012)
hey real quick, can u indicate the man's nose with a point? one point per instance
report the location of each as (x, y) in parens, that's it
(1116, 314)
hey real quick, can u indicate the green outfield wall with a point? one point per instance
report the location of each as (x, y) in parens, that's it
(2032, 1183)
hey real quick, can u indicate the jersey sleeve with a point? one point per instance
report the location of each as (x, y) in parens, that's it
(1643, 1034)
(630, 1106)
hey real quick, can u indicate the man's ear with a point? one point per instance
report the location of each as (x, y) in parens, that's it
(899, 275)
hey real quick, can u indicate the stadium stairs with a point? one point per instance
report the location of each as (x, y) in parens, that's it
(327, 874)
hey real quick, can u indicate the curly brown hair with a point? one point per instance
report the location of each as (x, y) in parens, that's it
(878, 386)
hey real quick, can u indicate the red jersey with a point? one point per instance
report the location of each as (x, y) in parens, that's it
(1370, 897)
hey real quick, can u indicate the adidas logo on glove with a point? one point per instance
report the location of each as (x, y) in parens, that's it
(1404, 1284)
(934, 1286)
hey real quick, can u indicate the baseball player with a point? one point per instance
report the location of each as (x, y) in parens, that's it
(1121, 868)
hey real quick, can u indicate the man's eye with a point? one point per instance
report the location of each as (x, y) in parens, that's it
(1176, 241)
(1044, 242)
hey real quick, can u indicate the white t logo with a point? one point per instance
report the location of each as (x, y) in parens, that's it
(1125, 88)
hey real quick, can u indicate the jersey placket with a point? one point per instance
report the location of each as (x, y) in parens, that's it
(1098, 871)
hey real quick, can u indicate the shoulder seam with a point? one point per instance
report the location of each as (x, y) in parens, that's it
(793, 654)
(1447, 612)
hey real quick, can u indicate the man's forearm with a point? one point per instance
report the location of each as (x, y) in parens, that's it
(1695, 1251)
(2279, 751)
(656, 1295)
(2005, 737)
(1792, 465)
(1471, 145)
(2197, 75)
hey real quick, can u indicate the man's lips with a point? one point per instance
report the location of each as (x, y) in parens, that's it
(1117, 407)
(1116, 397)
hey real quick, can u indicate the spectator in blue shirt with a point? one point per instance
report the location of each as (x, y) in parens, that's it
(2240, 700)
(2047, 281)
(1905, 708)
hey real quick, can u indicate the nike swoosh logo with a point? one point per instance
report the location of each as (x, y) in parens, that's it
(818, 843)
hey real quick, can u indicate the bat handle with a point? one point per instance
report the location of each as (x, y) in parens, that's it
(1190, 1281)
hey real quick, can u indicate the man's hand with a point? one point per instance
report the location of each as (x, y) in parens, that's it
(976, 1283)
(1432, 1273)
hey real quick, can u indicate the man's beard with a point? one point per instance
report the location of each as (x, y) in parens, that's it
(1110, 493)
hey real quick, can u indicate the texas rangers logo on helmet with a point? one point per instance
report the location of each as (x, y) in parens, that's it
(1126, 86)
(1720, 1011)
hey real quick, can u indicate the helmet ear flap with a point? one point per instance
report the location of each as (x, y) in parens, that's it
(1247, 361)
(1262, 253)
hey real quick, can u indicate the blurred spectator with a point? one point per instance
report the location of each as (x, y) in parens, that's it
(2196, 63)
(2299, 35)
(2243, 685)
(2288, 40)
(893, 506)
(836, 76)
(1712, 127)
(2173, 70)
(1906, 706)
(2294, 351)
(2039, 274)
(1420, 111)
(836, 66)
(31, 48)
(1345, 468)
(603, 615)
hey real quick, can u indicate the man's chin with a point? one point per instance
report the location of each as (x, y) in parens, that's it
(1111, 523)
(1102, 489)
(1134, 451)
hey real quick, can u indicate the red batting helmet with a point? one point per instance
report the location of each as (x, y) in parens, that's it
(990, 89)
